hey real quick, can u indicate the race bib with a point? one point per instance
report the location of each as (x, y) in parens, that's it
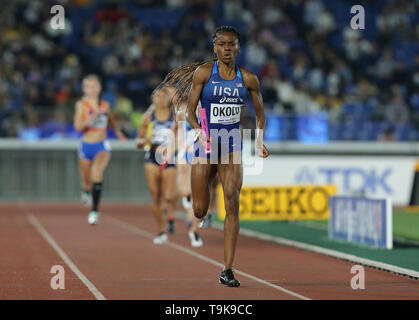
(225, 113)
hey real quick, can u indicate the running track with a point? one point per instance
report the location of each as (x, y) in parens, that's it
(118, 260)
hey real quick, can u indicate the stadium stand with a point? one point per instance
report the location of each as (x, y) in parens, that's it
(320, 79)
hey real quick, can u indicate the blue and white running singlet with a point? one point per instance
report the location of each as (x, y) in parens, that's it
(222, 100)
(159, 135)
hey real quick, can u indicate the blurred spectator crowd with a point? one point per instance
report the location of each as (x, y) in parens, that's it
(308, 59)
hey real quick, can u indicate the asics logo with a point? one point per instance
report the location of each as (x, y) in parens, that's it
(227, 94)
(230, 100)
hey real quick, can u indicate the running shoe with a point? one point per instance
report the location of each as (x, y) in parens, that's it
(171, 226)
(93, 218)
(227, 278)
(86, 199)
(196, 240)
(186, 203)
(160, 239)
(206, 222)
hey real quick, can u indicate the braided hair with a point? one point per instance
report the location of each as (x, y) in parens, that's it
(224, 29)
(181, 77)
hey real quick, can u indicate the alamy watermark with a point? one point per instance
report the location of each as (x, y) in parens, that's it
(57, 22)
(358, 20)
(58, 280)
(358, 280)
(234, 143)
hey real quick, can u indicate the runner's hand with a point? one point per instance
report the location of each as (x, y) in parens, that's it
(200, 137)
(262, 151)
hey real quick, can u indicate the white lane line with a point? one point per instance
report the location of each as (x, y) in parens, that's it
(143, 233)
(38, 226)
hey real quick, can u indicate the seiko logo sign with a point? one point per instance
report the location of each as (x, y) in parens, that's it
(282, 203)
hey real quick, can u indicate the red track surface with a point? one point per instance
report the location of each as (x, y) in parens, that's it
(119, 258)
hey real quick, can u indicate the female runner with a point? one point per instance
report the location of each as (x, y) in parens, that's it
(93, 117)
(185, 156)
(161, 180)
(220, 85)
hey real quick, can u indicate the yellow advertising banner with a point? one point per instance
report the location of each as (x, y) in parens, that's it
(281, 202)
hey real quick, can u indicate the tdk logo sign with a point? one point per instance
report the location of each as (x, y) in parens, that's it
(348, 179)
